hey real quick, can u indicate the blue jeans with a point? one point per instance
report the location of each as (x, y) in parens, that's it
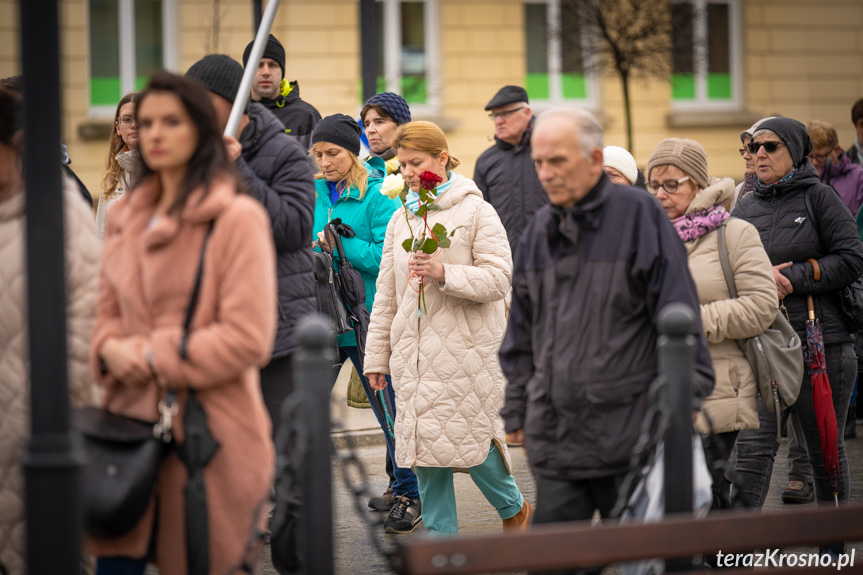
(120, 566)
(405, 481)
(756, 448)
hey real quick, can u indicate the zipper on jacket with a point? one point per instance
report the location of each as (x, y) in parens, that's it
(282, 313)
(773, 224)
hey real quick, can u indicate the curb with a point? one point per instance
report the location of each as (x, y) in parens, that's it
(357, 438)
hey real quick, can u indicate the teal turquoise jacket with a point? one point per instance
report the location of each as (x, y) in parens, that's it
(368, 216)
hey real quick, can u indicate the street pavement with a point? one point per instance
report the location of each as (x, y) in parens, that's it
(355, 552)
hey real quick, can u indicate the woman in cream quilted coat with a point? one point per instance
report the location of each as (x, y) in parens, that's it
(443, 361)
(82, 267)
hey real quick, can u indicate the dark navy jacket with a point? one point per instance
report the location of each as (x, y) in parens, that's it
(506, 176)
(580, 347)
(276, 172)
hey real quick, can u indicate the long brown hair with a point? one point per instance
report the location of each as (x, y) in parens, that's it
(113, 172)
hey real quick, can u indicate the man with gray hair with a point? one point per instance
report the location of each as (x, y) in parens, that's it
(591, 274)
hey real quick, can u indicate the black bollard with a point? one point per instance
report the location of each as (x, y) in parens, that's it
(313, 372)
(52, 459)
(676, 357)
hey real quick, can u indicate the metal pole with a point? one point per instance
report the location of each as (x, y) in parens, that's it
(251, 67)
(676, 356)
(313, 368)
(369, 47)
(256, 12)
(51, 463)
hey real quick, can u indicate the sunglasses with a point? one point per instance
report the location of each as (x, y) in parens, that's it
(670, 186)
(769, 147)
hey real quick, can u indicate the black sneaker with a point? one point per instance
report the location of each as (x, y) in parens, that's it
(404, 516)
(798, 492)
(383, 502)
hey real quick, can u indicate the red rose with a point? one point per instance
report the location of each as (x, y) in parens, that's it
(429, 180)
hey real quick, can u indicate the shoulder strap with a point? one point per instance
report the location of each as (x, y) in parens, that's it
(193, 300)
(723, 259)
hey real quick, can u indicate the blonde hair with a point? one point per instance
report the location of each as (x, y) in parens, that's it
(113, 173)
(424, 137)
(822, 134)
(358, 175)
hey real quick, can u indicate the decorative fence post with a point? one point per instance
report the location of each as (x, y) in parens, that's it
(313, 372)
(676, 357)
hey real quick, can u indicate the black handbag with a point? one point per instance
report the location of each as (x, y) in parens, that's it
(124, 454)
(332, 301)
(852, 295)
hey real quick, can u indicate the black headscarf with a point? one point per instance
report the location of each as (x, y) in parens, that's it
(793, 134)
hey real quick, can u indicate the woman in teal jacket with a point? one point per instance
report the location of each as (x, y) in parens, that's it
(349, 189)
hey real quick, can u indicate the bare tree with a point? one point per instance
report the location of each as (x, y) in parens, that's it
(632, 36)
(214, 43)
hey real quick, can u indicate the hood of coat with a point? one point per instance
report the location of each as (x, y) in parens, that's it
(718, 191)
(839, 168)
(13, 207)
(803, 178)
(263, 126)
(199, 208)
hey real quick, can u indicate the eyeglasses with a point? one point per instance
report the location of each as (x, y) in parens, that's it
(742, 151)
(769, 147)
(820, 158)
(504, 114)
(670, 186)
(125, 121)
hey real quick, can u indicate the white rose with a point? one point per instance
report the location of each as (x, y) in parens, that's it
(393, 186)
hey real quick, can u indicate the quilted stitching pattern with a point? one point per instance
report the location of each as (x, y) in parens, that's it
(82, 261)
(448, 382)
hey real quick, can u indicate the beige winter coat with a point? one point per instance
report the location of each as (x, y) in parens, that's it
(732, 404)
(82, 263)
(448, 383)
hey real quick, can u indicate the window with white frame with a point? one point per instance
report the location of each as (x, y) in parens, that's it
(408, 50)
(129, 40)
(553, 51)
(706, 69)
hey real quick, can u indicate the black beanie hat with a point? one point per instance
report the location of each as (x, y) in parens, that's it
(793, 134)
(340, 130)
(273, 50)
(219, 74)
(391, 104)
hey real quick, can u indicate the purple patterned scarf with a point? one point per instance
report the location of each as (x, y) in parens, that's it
(696, 224)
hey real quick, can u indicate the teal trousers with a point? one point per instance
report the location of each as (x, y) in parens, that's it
(437, 492)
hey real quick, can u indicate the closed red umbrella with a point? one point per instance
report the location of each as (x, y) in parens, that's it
(822, 395)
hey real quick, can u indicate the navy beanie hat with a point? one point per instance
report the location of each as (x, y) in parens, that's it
(391, 104)
(793, 134)
(273, 50)
(340, 130)
(219, 74)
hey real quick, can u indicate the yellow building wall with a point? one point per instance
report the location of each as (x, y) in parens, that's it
(801, 59)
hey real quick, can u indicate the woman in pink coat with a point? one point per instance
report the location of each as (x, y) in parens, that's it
(152, 246)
